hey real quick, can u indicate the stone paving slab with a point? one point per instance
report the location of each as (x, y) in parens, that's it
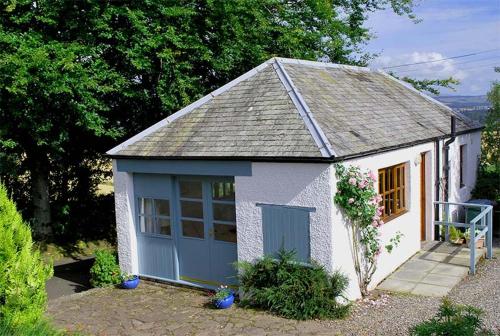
(154, 309)
(434, 271)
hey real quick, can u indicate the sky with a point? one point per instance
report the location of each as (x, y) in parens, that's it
(448, 28)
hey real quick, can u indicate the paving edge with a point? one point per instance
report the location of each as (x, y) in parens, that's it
(76, 295)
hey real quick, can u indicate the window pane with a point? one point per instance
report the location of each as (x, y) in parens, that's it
(403, 197)
(146, 224)
(224, 232)
(224, 212)
(191, 189)
(223, 191)
(193, 229)
(387, 179)
(403, 181)
(398, 178)
(164, 226)
(391, 202)
(391, 178)
(380, 182)
(398, 200)
(191, 209)
(162, 207)
(387, 210)
(145, 206)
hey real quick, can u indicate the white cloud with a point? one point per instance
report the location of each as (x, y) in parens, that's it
(439, 69)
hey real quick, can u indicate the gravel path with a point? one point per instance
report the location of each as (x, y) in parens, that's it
(166, 310)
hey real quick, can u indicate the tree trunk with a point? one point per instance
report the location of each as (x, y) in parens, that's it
(39, 168)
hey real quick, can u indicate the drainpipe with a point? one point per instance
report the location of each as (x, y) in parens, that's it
(446, 172)
(447, 158)
(437, 194)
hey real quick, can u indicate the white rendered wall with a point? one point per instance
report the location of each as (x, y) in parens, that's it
(472, 142)
(125, 228)
(408, 224)
(299, 184)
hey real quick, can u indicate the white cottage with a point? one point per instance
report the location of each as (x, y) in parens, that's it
(250, 167)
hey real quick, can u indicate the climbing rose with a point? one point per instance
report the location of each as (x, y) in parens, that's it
(363, 184)
(371, 174)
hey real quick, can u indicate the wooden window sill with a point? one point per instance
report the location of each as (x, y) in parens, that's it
(391, 217)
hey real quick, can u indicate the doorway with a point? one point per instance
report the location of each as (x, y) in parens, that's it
(207, 230)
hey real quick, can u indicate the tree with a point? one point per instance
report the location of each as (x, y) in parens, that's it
(22, 272)
(488, 180)
(431, 85)
(491, 132)
(78, 76)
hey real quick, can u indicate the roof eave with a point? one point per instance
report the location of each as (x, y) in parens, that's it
(296, 159)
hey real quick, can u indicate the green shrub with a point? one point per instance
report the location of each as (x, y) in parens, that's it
(40, 328)
(292, 290)
(105, 271)
(452, 320)
(22, 272)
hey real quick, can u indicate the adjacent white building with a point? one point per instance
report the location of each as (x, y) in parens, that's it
(250, 168)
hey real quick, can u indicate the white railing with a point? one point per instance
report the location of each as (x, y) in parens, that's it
(482, 223)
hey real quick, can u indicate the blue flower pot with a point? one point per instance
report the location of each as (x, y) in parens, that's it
(132, 283)
(224, 303)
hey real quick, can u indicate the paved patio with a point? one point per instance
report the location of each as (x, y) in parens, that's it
(154, 309)
(433, 271)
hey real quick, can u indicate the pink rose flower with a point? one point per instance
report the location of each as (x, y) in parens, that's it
(352, 181)
(372, 175)
(363, 184)
(375, 224)
(351, 200)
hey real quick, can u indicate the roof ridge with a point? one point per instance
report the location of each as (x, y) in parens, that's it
(305, 113)
(189, 108)
(462, 116)
(323, 64)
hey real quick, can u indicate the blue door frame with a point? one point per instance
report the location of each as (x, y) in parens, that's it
(199, 262)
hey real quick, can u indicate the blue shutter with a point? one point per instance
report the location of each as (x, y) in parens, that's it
(288, 228)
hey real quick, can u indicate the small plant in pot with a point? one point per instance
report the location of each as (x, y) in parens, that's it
(130, 281)
(223, 297)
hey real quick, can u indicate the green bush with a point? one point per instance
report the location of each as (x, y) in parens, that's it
(292, 290)
(105, 271)
(487, 184)
(452, 320)
(22, 272)
(40, 328)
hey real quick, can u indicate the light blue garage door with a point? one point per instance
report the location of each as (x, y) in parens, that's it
(187, 228)
(155, 233)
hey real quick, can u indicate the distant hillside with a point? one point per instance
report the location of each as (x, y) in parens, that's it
(474, 107)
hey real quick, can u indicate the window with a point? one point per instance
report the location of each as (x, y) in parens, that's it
(224, 211)
(462, 166)
(154, 216)
(191, 201)
(392, 188)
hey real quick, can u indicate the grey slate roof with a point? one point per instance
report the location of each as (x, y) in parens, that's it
(297, 109)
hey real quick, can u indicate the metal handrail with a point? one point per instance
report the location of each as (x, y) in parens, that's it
(486, 227)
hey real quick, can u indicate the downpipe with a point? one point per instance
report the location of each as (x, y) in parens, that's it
(446, 173)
